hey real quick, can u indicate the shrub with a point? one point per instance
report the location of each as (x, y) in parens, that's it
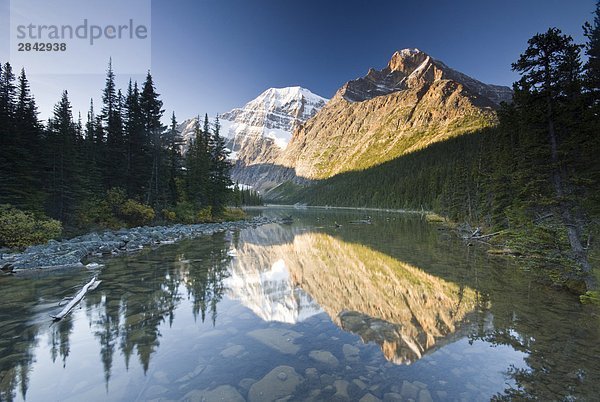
(98, 214)
(115, 211)
(21, 229)
(168, 215)
(204, 215)
(185, 212)
(233, 214)
(136, 214)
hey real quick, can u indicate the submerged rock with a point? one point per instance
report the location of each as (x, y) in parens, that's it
(392, 397)
(341, 389)
(232, 351)
(350, 352)
(281, 340)
(322, 356)
(425, 396)
(274, 385)
(219, 394)
(409, 390)
(369, 398)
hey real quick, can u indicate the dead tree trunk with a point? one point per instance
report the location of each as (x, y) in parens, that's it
(91, 285)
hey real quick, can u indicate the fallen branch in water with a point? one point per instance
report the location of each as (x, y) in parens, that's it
(487, 235)
(91, 285)
(541, 218)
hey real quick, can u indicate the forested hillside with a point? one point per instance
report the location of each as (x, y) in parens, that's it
(534, 177)
(119, 166)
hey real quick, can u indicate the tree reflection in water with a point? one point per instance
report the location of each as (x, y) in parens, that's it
(368, 271)
(137, 295)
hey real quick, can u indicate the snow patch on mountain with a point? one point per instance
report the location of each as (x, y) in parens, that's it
(274, 114)
(270, 293)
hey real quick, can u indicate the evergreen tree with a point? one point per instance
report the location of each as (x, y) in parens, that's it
(197, 168)
(550, 69)
(7, 139)
(137, 148)
(174, 146)
(89, 153)
(592, 67)
(152, 112)
(114, 158)
(27, 150)
(220, 181)
(65, 189)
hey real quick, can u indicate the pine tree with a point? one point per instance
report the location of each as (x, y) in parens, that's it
(7, 106)
(152, 112)
(114, 158)
(592, 67)
(197, 168)
(547, 94)
(137, 145)
(220, 181)
(65, 178)
(27, 150)
(174, 146)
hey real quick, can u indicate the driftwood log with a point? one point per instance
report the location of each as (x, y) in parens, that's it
(91, 285)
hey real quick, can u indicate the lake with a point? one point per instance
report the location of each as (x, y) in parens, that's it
(329, 307)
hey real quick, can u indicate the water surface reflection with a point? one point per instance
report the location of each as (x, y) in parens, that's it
(393, 309)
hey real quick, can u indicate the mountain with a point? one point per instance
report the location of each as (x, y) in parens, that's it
(293, 135)
(260, 131)
(411, 103)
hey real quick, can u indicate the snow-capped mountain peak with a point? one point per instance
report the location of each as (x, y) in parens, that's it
(273, 114)
(258, 132)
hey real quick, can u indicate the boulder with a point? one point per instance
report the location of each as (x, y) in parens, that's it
(278, 383)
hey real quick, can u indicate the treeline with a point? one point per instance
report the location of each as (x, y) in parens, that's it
(120, 166)
(536, 176)
(246, 196)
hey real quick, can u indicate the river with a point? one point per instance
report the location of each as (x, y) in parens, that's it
(325, 308)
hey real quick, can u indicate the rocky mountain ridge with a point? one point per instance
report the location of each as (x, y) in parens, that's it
(291, 134)
(411, 103)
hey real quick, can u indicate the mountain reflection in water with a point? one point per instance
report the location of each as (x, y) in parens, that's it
(403, 309)
(179, 321)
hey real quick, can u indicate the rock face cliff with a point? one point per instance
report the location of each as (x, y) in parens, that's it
(412, 102)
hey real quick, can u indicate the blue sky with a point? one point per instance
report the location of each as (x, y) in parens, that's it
(209, 56)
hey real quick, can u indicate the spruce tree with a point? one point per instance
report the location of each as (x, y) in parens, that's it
(137, 148)
(174, 146)
(27, 150)
(65, 177)
(592, 67)
(547, 96)
(152, 112)
(114, 158)
(197, 168)
(220, 181)
(8, 143)
(89, 153)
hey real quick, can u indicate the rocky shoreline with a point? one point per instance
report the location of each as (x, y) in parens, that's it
(72, 252)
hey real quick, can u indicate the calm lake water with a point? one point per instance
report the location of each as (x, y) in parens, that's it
(393, 310)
